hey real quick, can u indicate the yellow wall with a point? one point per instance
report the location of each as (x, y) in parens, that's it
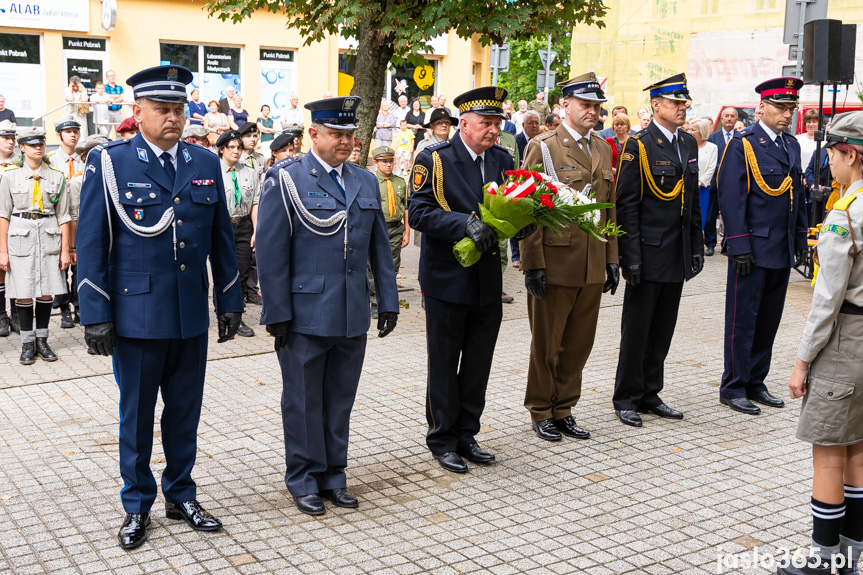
(142, 24)
(645, 41)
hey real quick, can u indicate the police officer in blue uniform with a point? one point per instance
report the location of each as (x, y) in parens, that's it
(762, 202)
(463, 304)
(320, 221)
(155, 211)
(657, 207)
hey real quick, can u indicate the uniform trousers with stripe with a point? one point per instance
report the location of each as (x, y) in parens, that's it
(461, 340)
(753, 311)
(144, 368)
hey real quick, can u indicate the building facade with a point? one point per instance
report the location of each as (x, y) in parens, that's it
(43, 45)
(726, 48)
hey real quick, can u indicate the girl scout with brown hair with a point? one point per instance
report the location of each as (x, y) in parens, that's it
(828, 373)
(34, 240)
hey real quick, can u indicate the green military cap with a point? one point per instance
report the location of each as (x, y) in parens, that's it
(195, 131)
(7, 128)
(30, 135)
(846, 128)
(382, 151)
(89, 143)
(65, 123)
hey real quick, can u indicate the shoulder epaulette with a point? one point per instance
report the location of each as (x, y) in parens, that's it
(844, 202)
(49, 154)
(115, 143)
(437, 146)
(283, 163)
(638, 135)
(10, 167)
(499, 147)
(545, 136)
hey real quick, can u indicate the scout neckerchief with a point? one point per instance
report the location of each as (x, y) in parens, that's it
(237, 197)
(37, 192)
(391, 195)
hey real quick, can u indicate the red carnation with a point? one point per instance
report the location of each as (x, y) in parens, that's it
(552, 188)
(546, 201)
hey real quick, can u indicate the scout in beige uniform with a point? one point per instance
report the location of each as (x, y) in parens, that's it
(251, 157)
(566, 274)
(829, 369)
(243, 194)
(394, 202)
(34, 241)
(68, 316)
(7, 158)
(196, 134)
(64, 159)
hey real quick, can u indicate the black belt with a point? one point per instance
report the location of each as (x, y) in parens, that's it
(394, 224)
(850, 308)
(240, 219)
(31, 215)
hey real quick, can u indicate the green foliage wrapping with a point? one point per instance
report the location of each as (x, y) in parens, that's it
(506, 217)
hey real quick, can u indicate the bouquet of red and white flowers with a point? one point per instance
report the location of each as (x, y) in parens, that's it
(528, 197)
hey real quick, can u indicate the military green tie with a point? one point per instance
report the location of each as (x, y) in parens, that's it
(585, 147)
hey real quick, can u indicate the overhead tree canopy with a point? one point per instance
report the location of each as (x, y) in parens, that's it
(524, 61)
(404, 28)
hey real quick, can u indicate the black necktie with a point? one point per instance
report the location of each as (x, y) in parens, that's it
(780, 143)
(169, 167)
(478, 162)
(674, 145)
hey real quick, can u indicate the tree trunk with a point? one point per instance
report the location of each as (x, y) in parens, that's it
(374, 52)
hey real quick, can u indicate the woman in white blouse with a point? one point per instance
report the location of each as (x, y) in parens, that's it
(708, 155)
(807, 138)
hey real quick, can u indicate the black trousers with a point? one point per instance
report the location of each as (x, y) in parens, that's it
(461, 340)
(71, 295)
(243, 241)
(647, 326)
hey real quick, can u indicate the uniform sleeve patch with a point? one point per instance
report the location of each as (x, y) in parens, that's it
(834, 229)
(419, 175)
(627, 157)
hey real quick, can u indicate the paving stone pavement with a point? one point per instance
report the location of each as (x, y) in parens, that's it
(667, 498)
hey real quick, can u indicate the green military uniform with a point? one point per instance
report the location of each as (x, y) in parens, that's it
(394, 212)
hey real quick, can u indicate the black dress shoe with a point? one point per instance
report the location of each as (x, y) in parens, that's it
(629, 417)
(134, 530)
(765, 398)
(43, 350)
(451, 462)
(76, 317)
(663, 410)
(310, 504)
(473, 453)
(741, 404)
(66, 321)
(709, 251)
(28, 353)
(192, 513)
(546, 430)
(568, 427)
(341, 497)
(245, 331)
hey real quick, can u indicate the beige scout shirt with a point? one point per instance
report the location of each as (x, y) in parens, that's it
(840, 276)
(247, 185)
(59, 160)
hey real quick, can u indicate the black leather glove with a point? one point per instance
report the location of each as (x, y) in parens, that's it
(697, 264)
(612, 275)
(800, 256)
(387, 322)
(100, 338)
(525, 231)
(229, 323)
(632, 274)
(820, 193)
(279, 331)
(482, 235)
(742, 264)
(534, 281)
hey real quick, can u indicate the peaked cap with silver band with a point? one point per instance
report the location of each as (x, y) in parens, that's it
(584, 87)
(161, 83)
